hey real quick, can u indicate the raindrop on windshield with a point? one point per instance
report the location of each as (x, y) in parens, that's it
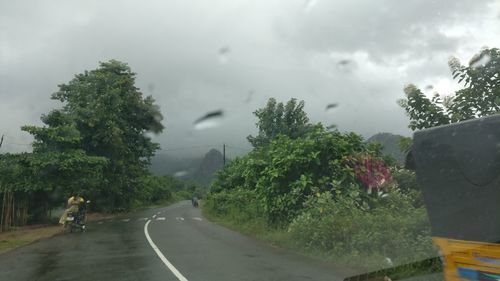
(209, 120)
(180, 174)
(224, 54)
(331, 107)
(249, 96)
(482, 61)
(346, 65)
(151, 87)
(344, 62)
(429, 88)
(331, 127)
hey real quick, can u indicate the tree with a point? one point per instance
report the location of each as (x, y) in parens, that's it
(423, 113)
(104, 115)
(276, 118)
(479, 97)
(32, 183)
(286, 171)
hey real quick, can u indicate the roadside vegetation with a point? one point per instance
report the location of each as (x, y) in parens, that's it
(330, 194)
(326, 194)
(97, 143)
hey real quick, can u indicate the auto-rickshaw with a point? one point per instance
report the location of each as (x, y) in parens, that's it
(458, 169)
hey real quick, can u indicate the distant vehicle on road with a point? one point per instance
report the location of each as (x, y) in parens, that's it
(194, 201)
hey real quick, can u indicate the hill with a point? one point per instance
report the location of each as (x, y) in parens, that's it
(390, 144)
(195, 168)
(211, 163)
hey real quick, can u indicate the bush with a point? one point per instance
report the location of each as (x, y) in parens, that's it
(406, 180)
(286, 171)
(152, 190)
(392, 232)
(238, 206)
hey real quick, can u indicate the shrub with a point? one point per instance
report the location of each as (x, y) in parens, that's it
(286, 171)
(152, 189)
(238, 205)
(393, 231)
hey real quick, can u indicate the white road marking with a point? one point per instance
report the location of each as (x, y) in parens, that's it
(160, 218)
(154, 216)
(125, 220)
(161, 256)
(198, 219)
(179, 218)
(158, 213)
(99, 222)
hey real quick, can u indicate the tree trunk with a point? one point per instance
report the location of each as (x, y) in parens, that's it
(6, 211)
(3, 212)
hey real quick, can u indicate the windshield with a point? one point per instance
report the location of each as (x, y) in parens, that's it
(254, 140)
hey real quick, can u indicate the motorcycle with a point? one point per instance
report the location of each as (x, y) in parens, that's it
(75, 221)
(194, 201)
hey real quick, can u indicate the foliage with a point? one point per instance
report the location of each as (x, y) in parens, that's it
(336, 227)
(44, 179)
(405, 144)
(423, 113)
(372, 172)
(309, 193)
(390, 147)
(393, 232)
(237, 205)
(406, 179)
(154, 190)
(479, 97)
(286, 171)
(104, 118)
(277, 118)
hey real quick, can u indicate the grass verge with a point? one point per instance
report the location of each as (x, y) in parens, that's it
(26, 235)
(428, 269)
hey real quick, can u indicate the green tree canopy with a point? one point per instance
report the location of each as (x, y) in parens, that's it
(276, 118)
(104, 116)
(479, 97)
(286, 171)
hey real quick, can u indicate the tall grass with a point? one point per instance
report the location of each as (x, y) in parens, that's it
(392, 232)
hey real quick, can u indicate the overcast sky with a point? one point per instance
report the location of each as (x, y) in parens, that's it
(196, 56)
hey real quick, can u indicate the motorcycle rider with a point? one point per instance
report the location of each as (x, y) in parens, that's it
(73, 205)
(194, 201)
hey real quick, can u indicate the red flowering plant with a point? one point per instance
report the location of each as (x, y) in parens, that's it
(370, 171)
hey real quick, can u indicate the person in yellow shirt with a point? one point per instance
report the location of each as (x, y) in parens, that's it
(73, 204)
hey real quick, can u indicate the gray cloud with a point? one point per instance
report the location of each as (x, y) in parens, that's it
(381, 28)
(279, 49)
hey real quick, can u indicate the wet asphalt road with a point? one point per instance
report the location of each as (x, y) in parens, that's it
(198, 249)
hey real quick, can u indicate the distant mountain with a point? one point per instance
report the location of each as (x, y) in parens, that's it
(184, 167)
(390, 144)
(211, 163)
(198, 169)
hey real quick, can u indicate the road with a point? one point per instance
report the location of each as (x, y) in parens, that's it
(171, 243)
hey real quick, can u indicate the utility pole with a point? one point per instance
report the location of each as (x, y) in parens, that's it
(1, 141)
(224, 154)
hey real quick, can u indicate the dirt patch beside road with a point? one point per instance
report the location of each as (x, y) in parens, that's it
(28, 234)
